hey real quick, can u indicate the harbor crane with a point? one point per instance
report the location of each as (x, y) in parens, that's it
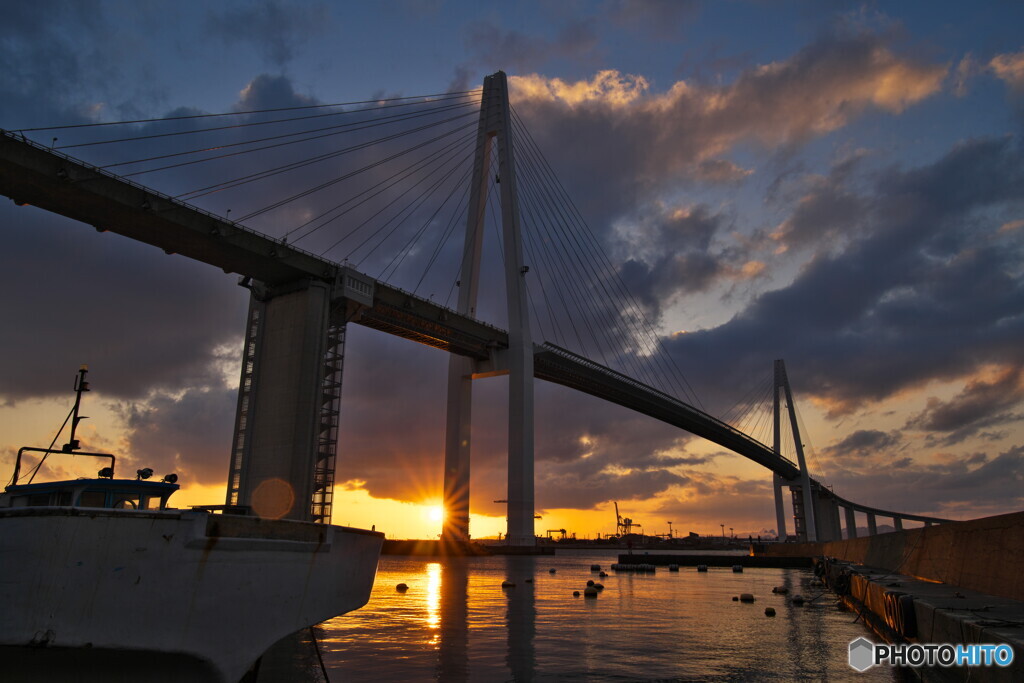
(623, 525)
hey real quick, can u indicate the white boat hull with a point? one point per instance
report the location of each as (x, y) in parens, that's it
(211, 591)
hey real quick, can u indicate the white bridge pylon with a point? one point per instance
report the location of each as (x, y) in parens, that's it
(517, 361)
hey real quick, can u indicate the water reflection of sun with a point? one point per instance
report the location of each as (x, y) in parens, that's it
(434, 600)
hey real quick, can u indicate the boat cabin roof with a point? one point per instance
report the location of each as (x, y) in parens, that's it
(131, 494)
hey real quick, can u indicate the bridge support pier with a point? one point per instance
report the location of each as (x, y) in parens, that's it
(851, 522)
(872, 525)
(780, 508)
(826, 516)
(276, 455)
(897, 522)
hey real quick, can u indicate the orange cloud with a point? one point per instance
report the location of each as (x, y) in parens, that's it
(818, 90)
(1010, 68)
(1010, 226)
(607, 87)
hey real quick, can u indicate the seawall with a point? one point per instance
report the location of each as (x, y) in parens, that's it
(984, 555)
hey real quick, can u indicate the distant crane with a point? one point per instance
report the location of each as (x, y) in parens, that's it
(557, 531)
(623, 525)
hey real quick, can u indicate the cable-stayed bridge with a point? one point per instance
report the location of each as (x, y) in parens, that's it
(286, 432)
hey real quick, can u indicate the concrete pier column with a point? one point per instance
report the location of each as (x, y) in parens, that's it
(780, 509)
(520, 342)
(277, 480)
(897, 522)
(851, 522)
(872, 527)
(458, 432)
(826, 517)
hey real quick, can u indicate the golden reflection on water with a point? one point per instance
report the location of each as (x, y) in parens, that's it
(455, 623)
(434, 600)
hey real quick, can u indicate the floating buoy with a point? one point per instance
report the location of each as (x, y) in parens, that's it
(737, 568)
(798, 600)
(599, 586)
(735, 598)
(575, 594)
(595, 567)
(590, 582)
(590, 592)
(746, 597)
(702, 567)
(552, 570)
(507, 584)
(401, 588)
(769, 611)
(781, 590)
(603, 574)
(673, 567)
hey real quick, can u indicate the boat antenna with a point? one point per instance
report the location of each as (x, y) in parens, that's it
(80, 386)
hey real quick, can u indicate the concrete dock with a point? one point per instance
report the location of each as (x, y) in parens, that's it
(959, 583)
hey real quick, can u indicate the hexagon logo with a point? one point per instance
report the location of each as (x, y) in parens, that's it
(862, 654)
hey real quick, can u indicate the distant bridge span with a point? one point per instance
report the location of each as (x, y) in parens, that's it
(34, 175)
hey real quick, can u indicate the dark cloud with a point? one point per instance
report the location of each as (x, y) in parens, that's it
(46, 72)
(270, 92)
(188, 434)
(569, 490)
(276, 29)
(943, 485)
(930, 291)
(666, 254)
(865, 442)
(980, 405)
(828, 215)
(139, 318)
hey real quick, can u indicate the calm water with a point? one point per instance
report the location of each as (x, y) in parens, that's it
(456, 623)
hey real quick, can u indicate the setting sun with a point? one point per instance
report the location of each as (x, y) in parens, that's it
(435, 513)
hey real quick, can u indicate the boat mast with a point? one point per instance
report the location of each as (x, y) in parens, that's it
(80, 386)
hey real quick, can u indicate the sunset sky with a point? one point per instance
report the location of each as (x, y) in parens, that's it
(840, 185)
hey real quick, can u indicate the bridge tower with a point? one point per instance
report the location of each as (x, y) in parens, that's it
(494, 129)
(803, 496)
